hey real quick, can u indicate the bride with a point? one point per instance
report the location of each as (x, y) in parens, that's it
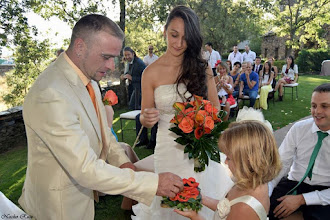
(175, 77)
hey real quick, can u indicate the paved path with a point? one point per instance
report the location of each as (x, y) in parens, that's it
(280, 133)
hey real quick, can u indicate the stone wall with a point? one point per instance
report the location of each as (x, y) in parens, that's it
(12, 128)
(5, 68)
(274, 46)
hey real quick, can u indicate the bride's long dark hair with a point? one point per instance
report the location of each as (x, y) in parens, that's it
(193, 68)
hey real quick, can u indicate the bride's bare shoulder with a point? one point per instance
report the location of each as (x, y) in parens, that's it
(156, 68)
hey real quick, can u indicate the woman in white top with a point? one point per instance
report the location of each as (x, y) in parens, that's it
(253, 160)
(266, 77)
(289, 76)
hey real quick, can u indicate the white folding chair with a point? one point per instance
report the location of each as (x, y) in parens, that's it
(292, 86)
(127, 116)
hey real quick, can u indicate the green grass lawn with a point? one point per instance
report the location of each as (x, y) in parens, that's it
(13, 163)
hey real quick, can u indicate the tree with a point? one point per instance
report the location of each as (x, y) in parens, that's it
(31, 56)
(301, 20)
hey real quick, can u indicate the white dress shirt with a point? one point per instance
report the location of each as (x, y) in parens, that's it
(249, 57)
(291, 73)
(296, 150)
(150, 59)
(214, 57)
(238, 57)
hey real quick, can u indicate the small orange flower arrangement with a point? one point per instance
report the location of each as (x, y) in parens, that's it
(198, 125)
(188, 199)
(110, 98)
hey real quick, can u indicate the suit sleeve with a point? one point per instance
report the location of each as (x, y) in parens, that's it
(138, 70)
(58, 122)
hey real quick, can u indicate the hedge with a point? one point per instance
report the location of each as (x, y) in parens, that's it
(310, 60)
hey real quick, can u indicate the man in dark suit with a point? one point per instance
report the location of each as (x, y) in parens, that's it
(257, 66)
(136, 67)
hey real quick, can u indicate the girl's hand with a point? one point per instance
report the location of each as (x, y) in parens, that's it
(189, 214)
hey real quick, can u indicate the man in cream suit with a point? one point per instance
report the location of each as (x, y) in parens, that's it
(71, 151)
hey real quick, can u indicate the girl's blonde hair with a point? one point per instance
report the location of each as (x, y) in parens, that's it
(224, 65)
(253, 150)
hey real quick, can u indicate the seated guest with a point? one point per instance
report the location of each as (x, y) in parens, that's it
(249, 84)
(289, 76)
(253, 160)
(222, 71)
(229, 64)
(266, 77)
(304, 181)
(235, 74)
(257, 66)
(274, 68)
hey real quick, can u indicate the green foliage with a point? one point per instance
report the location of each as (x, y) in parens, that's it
(279, 64)
(143, 29)
(31, 59)
(301, 21)
(311, 60)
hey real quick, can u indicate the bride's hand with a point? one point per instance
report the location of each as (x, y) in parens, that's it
(189, 214)
(150, 117)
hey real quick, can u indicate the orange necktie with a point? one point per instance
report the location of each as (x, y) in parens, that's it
(91, 93)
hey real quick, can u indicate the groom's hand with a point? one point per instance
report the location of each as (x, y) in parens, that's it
(169, 185)
(128, 165)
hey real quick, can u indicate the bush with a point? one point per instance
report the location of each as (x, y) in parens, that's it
(311, 60)
(279, 64)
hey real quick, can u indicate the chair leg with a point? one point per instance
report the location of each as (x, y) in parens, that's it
(122, 131)
(292, 94)
(296, 92)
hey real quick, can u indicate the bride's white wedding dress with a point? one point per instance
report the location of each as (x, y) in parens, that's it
(169, 157)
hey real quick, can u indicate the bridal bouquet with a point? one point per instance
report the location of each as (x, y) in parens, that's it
(189, 199)
(110, 98)
(198, 125)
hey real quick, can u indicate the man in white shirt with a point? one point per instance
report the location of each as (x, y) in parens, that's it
(312, 195)
(151, 57)
(249, 55)
(213, 58)
(235, 56)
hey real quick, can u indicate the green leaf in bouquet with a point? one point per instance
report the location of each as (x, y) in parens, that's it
(189, 106)
(182, 140)
(176, 130)
(203, 158)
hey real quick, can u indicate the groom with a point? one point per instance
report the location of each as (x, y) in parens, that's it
(71, 152)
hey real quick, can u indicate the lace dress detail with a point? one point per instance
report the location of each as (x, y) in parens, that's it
(223, 207)
(169, 157)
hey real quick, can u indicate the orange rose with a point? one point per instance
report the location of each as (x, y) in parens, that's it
(210, 109)
(186, 125)
(177, 118)
(209, 123)
(189, 112)
(110, 98)
(200, 117)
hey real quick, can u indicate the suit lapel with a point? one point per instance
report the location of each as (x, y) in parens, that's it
(81, 92)
(85, 99)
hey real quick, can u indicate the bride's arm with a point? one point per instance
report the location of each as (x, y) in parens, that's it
(209, 202)
(211, 89)
(149, 114)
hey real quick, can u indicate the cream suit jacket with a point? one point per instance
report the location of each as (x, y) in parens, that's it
(64, 145)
